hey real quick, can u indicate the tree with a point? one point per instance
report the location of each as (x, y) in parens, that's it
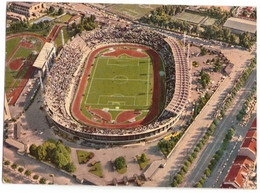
(33, 149)
(174, 183)
(41, 153)
(207, 172)
(42, 181)
(28, 172)
(203, 51)
(14, 166)
(60, 159)
(7, 163)
(218, 65)
(35, 177)
(20, 169)
(51, 9)
(120, 163)
(198, 185)
(179, 178)
(204, 78)
(60, 11)
(70, 167)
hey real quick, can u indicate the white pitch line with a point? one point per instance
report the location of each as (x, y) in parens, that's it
(148, 83)
(92, 80)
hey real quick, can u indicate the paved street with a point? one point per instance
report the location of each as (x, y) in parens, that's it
(203, 120)
(215, 141)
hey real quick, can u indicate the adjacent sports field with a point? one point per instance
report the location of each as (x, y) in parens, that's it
(19, 59)
(189, 17)
(119, 87)
(134, 11)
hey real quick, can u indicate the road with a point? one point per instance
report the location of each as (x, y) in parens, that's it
(196, 130)
(215, 141)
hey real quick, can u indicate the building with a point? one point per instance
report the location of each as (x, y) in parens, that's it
(28, 9)
(7, 114)
(15, 16)
(45, 59)
(240, 174)
(235, 177)
(239, 25)
(248, 148)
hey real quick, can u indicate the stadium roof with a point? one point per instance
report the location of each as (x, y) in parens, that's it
(43, 55)
(241, 24)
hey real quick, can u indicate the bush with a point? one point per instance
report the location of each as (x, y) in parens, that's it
(35, 177)
(143, 157)
(70, 167)
(14, 166)
(207, 172)
(182, 173)
(197, 149)
(42, 181)
(202, 180)
(194, 154)
(120, 163)
(7, 163)
(20, 170)
(198, 185)
(190, 158)
(179, 178)
(28, 172)
(174, 183)
(33, 149)
(185, 169)
(187, 163)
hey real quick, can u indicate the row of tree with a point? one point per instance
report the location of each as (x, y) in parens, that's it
(56, 153)
(162, 17)
(87, 23)
(216, 157)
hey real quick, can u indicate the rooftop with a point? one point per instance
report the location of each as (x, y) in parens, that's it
(26, 4)
(244, 161)
(44, 53)
(253, 126)
(251, 134)
(249, 143)
(241, 24)
(236, 175)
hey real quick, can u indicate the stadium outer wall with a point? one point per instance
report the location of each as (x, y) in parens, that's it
(84, 138)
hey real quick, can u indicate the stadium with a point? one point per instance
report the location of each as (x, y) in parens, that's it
(117, 86)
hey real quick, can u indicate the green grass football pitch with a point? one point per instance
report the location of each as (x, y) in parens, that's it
(119, 83)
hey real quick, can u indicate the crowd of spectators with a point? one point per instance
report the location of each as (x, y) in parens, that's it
(62, 73)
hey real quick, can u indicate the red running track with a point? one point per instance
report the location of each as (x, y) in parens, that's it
(16, 93)
(16, 64)
(103, 114)
(154, 109)
(127, 115)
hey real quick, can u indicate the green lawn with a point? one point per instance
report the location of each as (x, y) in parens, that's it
(22, 52)
(134, 11)
(83, 156)
(123, 83)
(97, 170)
(142, 164)
(65, 18)
(11, 45)
(189, 17)
(209, 21)
(122, 171)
